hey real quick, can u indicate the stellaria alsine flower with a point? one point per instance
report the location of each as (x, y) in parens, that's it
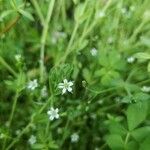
(53, 113)
(65, 86)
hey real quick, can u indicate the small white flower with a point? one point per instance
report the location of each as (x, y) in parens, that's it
(132, 8)
(74, 138)
(65, 86)
(32, 140)
(93, 51)
(58, 35)
(2, 135)
(124, 10)
(44, 92)
(18, 57)
(32, 84)
(130, 59)
(110, 40)
(145, 89)
(17, 132)
(101, 14)
(53, 113)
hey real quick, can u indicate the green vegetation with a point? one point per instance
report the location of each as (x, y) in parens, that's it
(74, 74)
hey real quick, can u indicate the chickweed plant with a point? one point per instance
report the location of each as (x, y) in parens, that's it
(74, 74)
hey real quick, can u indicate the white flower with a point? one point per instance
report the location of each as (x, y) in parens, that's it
(58, 35)
(93, 51)
(32, 139)
(18, 57)
(17, 132)
(32, 84)
(110, 40)
(101, 14)
(2, 135)
(65, 86)
(132, 8)
(130, 59)
(145, 89)
(44, 92)
(74, 138)
(53, 113)
(124, 10)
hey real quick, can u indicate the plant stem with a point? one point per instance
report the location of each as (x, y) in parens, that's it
(13, 108)
(127, 138)
(38, 10)
(43, 38)
(69, 45)
(7, 66)
(28, 125)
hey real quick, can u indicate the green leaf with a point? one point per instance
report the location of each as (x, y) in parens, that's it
(143, 56)
(148, 67)
(132, 145)
(140, 133)
(76, 1)
(115, 142)
(145, 145)
(117, 128)
(26, 14)
(5, 14)
(81, 13)
(136, 114)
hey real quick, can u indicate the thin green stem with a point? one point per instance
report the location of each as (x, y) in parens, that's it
(43, 38)
(136, 31)
(13, 108)
(7, 66)
(69, 45)
(38, 10)
(127, 138)
(28, 125)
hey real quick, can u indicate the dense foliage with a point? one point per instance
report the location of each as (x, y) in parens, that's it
(75, 74)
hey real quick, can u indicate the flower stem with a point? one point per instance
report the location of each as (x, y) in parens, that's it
(7, 66)
(43, 38)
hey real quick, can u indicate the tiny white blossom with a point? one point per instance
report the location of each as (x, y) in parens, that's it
(2, 135)
(74, 138)
(101, 14)
(65, 86)
(110, 40)
(130, 59)
(93, 51)
(58, 35)
(145, 89)
(32, 84)
(32, 140)
(17, 132)
(53, 113)
(18, 57)
(124, 10)
(44, 92)
(132, 8)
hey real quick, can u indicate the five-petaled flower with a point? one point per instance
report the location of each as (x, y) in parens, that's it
(130, 59)
(53, 113)
(65, 86)
(74, 138)
(32, 84)
(32, 139)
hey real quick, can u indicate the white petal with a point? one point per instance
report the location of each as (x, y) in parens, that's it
(57, 116)
(65, 81)
(70, 83)
(49, 112)
(51, 117)
(69, 89)
(64, 91)
(56, 110)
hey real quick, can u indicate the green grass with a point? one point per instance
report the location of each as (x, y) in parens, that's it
(101, 48)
